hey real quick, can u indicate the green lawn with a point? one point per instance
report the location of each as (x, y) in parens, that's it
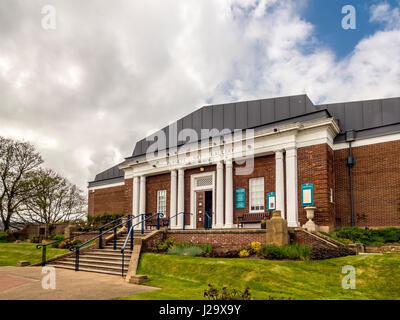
(377, 277)
(11, 253)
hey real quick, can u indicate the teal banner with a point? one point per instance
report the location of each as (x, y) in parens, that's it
(240, 198)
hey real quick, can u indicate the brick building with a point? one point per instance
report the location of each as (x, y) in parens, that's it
(254, 156)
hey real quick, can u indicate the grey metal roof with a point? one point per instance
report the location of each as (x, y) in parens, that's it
(367, 118)
(111, 175)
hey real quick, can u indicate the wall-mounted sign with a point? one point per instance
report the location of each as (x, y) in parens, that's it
(240, 198)
(307, 194)
(271, 201)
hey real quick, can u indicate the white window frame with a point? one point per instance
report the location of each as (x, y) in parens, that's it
(162, 208)
(250, 194)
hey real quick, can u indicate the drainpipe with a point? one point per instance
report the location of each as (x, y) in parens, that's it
(351, 161)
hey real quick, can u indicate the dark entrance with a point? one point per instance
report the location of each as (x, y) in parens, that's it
(203, 205)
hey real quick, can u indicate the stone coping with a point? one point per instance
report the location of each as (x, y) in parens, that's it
(216, 231)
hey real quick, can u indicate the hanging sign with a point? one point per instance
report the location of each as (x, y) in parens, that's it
(307, 194)
(240, 198)
(271, 201)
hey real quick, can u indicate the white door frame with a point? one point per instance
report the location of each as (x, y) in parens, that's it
(193, 189)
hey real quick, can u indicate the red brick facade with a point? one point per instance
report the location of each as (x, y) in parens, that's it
(315, 165)
(263, 167)
(376, 185)
(376, 178)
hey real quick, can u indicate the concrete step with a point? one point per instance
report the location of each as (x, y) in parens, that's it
(94, 266)
(103, 257)
(105, 263)
(115, 273)
(108, 253)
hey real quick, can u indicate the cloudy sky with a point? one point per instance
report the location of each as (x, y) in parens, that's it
(111, 71)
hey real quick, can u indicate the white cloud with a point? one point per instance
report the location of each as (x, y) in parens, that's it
(383, 13)
(110, 73)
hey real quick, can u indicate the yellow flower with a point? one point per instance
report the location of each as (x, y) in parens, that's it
(244, 253)
(255, 246)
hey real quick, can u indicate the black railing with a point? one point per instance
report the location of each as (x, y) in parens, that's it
(100, 236)
(184, 219)
(44, 246)
(131, 233)
(207, 220)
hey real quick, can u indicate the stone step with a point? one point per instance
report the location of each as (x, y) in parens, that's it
(95, 266)
(114, 273)
(87, 261)
(103, 257)
(109, 252)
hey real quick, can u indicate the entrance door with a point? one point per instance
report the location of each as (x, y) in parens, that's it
(203, 203)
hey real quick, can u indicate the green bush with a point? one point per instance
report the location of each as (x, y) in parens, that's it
(291, 251)
(368, 236)
(3, 236)
(163, 246)
(98, 221)
(57, 237)
(186, 250)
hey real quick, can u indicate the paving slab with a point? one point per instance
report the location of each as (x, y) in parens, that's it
(25, 283)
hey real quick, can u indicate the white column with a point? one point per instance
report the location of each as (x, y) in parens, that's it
(181, 197)
(172, 205)
(142, 207)
(291, 187)
(220, 196)
(228, 194)
(279, 183)
(136, 195)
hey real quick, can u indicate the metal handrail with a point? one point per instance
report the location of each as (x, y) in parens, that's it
(206, 220)
(77, 248)
(44, 245)
(131, 233)
(184, 218)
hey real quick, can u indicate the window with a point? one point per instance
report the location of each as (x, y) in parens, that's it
(256, 194)
(162, 202)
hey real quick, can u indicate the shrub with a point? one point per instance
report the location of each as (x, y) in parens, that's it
(221, 254)
(368, 236)
(3, 236)
(244, 253)
(97, 221)
(57, 237)
(185, 250)
(163, 246)
(226, 294)
(291, 251)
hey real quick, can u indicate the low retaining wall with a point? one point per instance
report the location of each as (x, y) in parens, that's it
(322, 247)
(219, 239)
(385, 248)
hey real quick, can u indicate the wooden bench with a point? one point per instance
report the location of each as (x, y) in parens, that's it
(152, 222)
(255, 217)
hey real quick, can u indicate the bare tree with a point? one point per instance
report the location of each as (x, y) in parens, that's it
(53, 199)
(17, 161)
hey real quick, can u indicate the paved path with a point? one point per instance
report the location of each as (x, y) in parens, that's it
(25, 283)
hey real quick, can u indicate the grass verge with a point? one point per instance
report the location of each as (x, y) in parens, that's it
(11, 253)
(186, 278)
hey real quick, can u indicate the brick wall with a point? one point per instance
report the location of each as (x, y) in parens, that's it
(263, 167)
(107, 200)
(315, 165)
(376, 185)
(219, 239)
(153, 184)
